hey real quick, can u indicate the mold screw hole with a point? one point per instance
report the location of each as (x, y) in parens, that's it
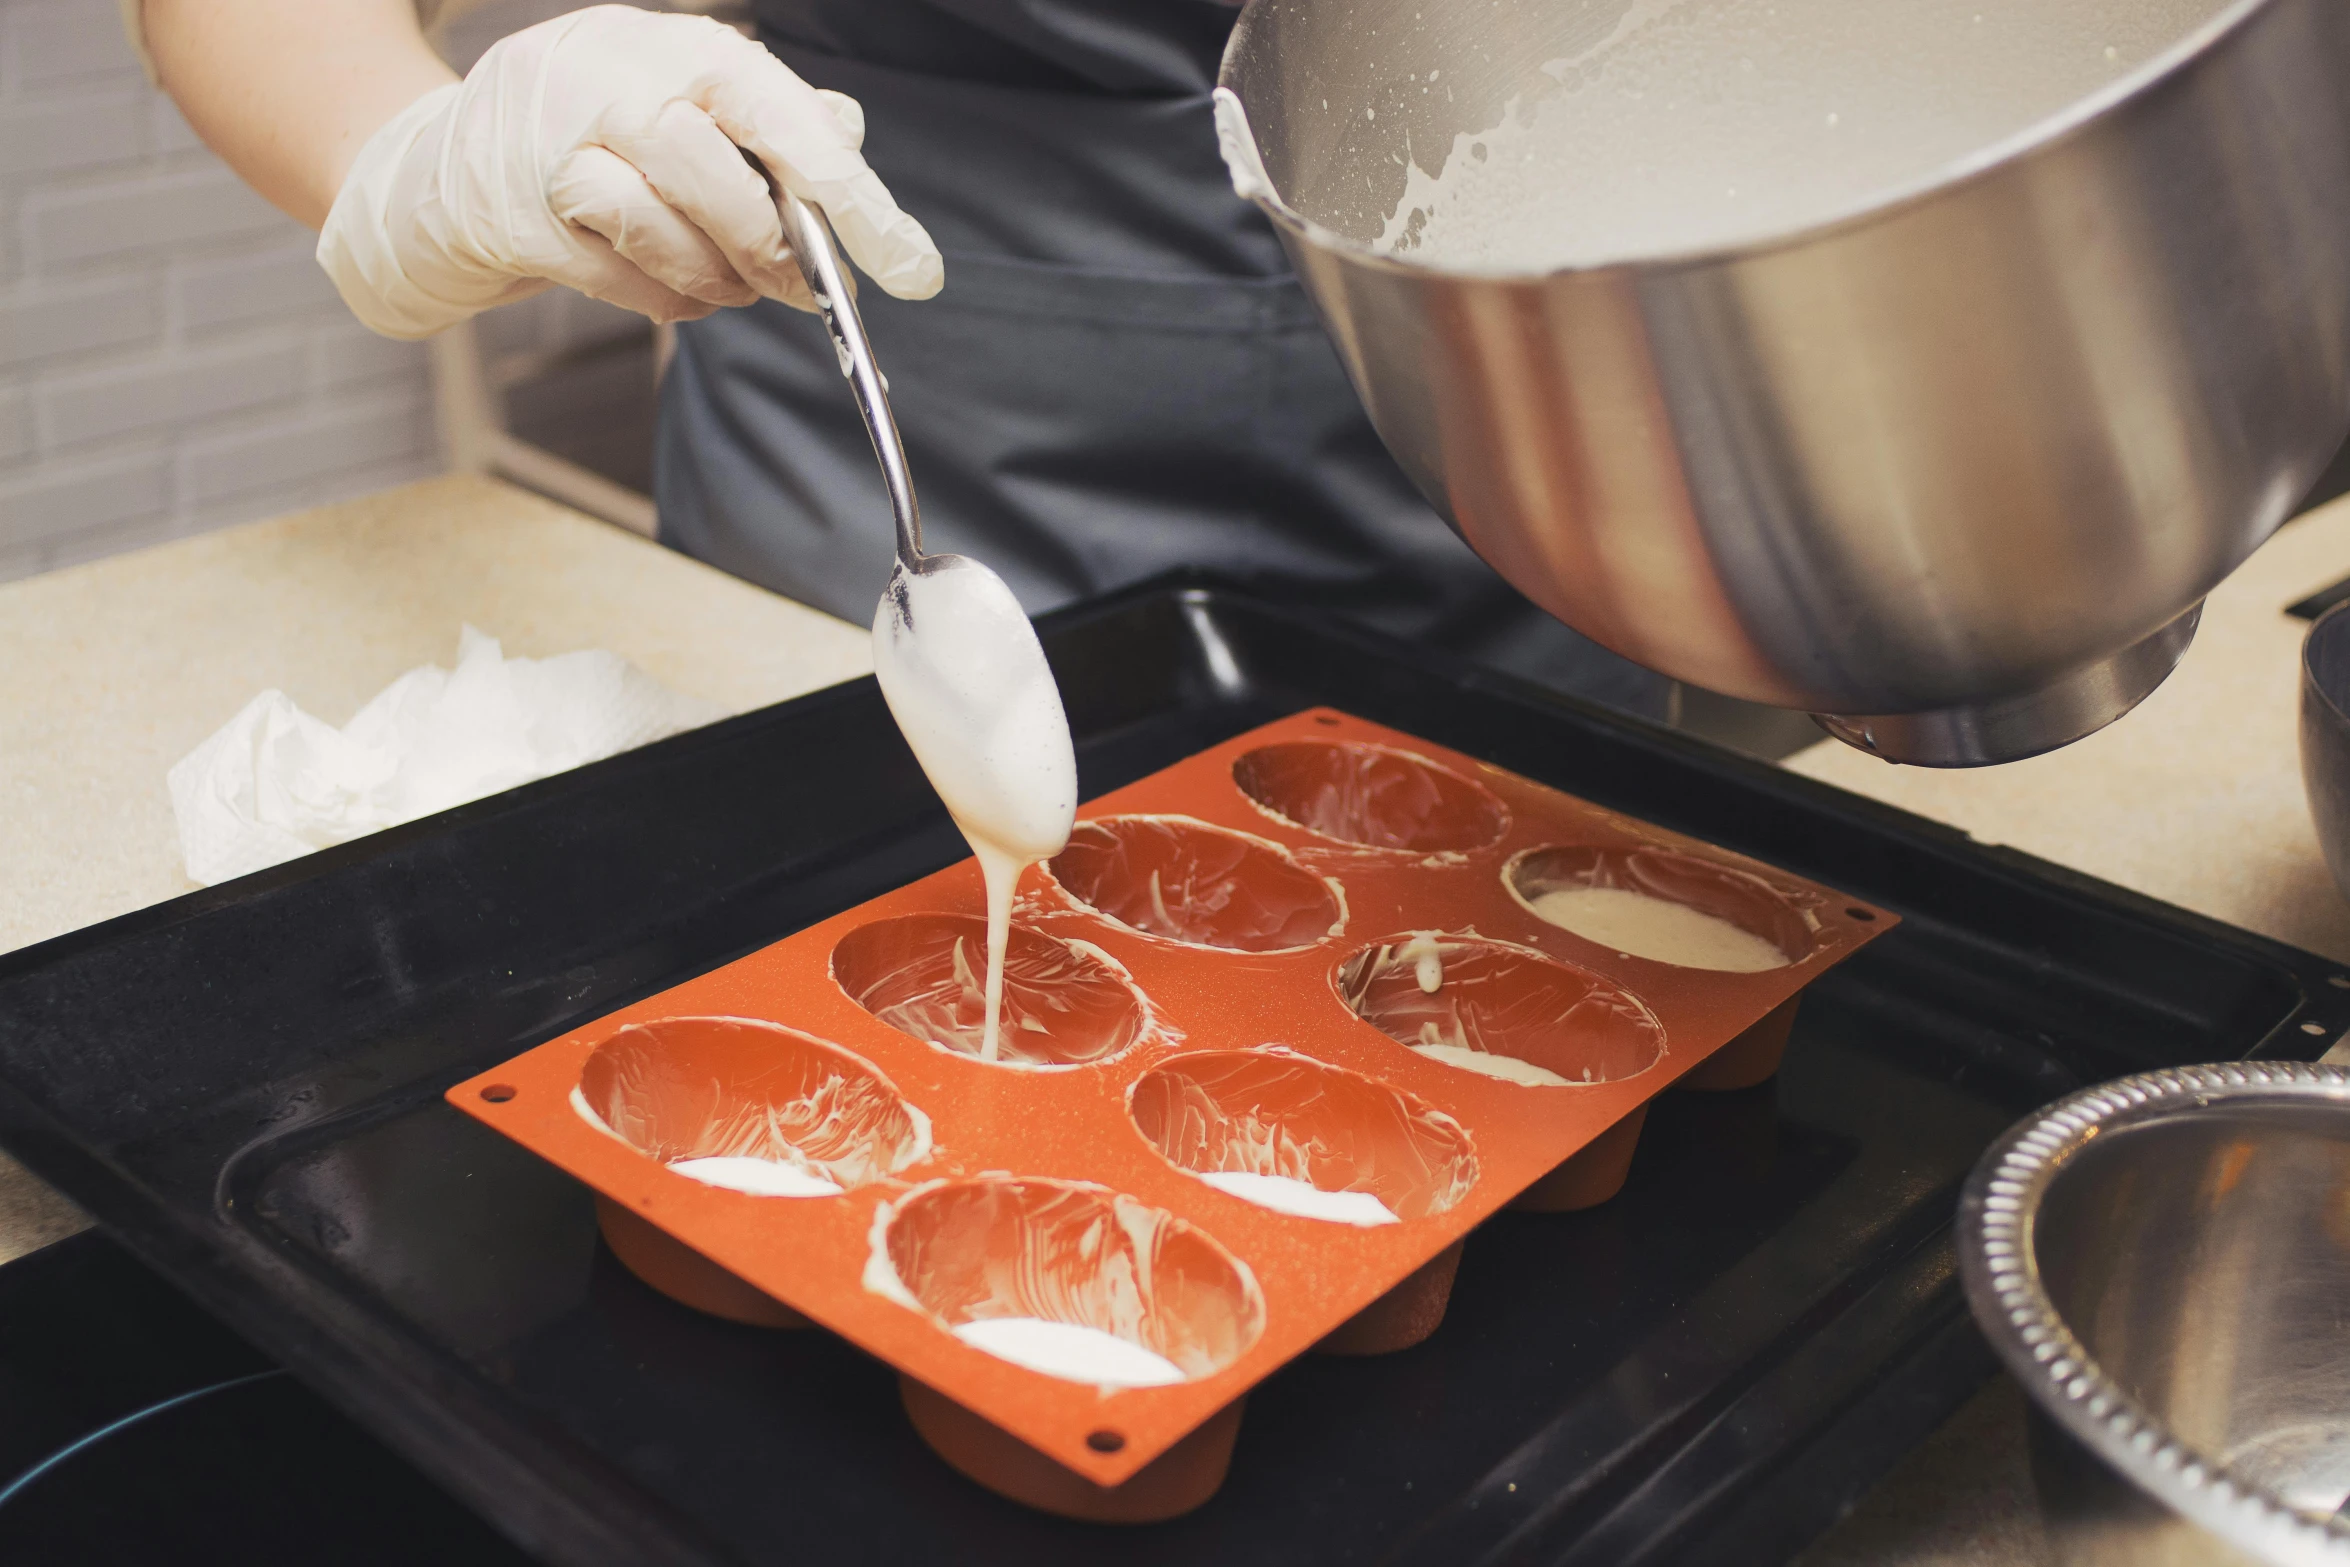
(2313, 1028)
(2339, 981)
(1862, 915)
(1106, 1441)
(498, 1093)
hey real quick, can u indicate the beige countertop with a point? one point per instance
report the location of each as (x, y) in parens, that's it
(125, 664)
(143, 655)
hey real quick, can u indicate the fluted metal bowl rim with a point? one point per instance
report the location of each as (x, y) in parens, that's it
(1984, 163)
(2002, 1276)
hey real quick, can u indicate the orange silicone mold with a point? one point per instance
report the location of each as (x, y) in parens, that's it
(1284, 1023)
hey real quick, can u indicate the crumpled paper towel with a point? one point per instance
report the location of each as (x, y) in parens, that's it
(275, 783)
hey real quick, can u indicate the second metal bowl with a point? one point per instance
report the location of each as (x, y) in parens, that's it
(2164, 1263)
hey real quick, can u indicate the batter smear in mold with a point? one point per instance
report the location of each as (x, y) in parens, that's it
(1181, 879)
(1304, 1137)
(1067, 1279)
(924, 975)
(751, 1106)
(1370, 795)
(1501, 1011)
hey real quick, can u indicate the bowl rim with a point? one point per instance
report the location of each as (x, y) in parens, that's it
(2227, 21)
(2000, 1268)
(2309, 678)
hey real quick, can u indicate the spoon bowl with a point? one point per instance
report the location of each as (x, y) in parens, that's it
(967, 680)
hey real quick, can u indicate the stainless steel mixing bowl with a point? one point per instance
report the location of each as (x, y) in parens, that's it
(1954, 473)
(2164, 1262)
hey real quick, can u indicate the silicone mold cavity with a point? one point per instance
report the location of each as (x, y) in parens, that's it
(925, 975)
(1180, 879)
(1371, 796)
(1747, 902)
(965, 1251)
(1275, 1113)
(1498, 1000)
(717, 1087)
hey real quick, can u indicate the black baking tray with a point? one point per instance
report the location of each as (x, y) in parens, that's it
(244, 1085)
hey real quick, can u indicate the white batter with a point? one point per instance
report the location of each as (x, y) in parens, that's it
(1508, 1068)
(1284, 1195)
(1678, 125)
(1070, 1352)
(586, 1112)
(968, 684)
(1646, 927)
(759, 1177)
(1427, 961)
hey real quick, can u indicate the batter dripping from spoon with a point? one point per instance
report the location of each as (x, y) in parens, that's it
(958, 662)
(970, 689)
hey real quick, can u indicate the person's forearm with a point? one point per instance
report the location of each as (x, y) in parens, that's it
(286, 91)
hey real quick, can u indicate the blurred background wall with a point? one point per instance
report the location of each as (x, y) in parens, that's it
(173, 360)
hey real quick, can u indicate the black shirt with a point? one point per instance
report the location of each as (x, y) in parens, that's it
(1119, 48)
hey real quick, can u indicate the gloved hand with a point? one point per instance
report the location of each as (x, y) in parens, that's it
(600, 150)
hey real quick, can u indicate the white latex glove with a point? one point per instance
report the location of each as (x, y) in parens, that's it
(600, 150)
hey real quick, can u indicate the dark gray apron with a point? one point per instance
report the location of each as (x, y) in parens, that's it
(1121, 377)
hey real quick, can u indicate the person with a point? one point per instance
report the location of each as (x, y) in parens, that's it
(1100, 360)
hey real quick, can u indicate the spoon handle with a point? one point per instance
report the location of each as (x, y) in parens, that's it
(812, 242)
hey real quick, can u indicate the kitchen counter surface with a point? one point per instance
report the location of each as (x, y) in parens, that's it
(125, 664)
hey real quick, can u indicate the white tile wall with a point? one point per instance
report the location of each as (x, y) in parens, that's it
(171, 358)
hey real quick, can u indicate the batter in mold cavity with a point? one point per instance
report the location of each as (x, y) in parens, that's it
(1656, 928)
(1663, 906)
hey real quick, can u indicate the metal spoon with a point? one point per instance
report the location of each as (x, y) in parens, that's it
(818, 252)
(819, 255)
(976, 699)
